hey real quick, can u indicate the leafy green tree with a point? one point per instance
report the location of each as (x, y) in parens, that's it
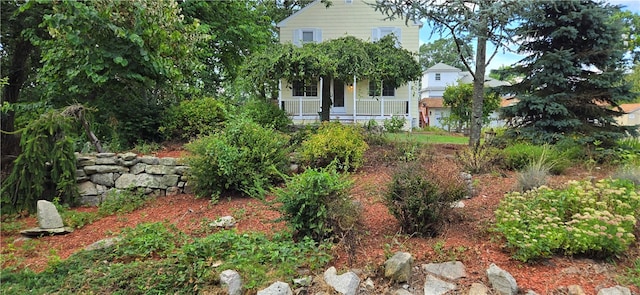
(20, 59)
(633, 78)
(459, 98)
(126, 58)
(445, 51)
(341, 58)
(463, 21)
(236, 29)
(503, 74)
(572, 76)
(630, 31)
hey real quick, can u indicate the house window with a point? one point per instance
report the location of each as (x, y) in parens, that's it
(387, 89)
(438, 77)
(302, 89)
(378, 33)
(301, 36)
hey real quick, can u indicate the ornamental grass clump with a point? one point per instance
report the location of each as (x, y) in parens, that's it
(596, 219)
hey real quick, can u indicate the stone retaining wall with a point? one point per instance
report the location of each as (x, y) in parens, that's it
(100, 173)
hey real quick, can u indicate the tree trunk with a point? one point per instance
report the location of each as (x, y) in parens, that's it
(17, 74)
(478, 89)
(326, 99)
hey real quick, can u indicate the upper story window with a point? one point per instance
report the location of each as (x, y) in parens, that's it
(378, 33)
(302, 89)
(387, 89)
(307, 35)
(438, 78)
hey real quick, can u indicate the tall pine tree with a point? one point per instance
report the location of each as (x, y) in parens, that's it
(573, 75)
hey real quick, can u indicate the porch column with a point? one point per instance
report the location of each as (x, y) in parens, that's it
(320, 94)
(280, 94)
(411, 106)
(354, 98)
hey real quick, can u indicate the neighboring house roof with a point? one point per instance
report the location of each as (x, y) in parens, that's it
(441, 67)
(505, 102)
(467, 78)
(284, 21)
(630, 107)
(432, 102)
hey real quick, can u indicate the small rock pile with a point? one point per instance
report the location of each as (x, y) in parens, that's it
(49, 221)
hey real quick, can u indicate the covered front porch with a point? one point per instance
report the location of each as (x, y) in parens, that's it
(351, 103)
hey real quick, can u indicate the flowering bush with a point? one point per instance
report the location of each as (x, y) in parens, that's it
(584, 218)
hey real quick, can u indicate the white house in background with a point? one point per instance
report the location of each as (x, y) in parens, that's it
(434, 81)
(352, 101)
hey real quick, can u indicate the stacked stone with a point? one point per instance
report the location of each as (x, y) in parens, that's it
(103, 172)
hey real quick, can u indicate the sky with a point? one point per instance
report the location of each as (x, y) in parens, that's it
(504, 58)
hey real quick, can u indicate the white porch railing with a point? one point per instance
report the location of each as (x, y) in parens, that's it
(304, 108)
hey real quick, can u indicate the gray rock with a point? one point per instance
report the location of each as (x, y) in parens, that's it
(369, 285)
(104, 169)
(435, 286)
(398, 267)
(575, 290)
(225, 221)
(150, 160)
(401, 292)
(101, 189)
(38, 232)
(232, 281)
(452, 270)
(48, 216)
(304, 281)
(106, 161)
(105, 179)
(138, 168)
(86, 162)
(129, 180)
(615, 290)
(105, 155)
(102, 244)
(277, 288)
(91, 200)
(159, 169)
(172, 191)
(128, 156)
(181, 170)
(502, 281)
(346, 283)
(87, 188)
(129, 163)
(478, 289)
(168, 161)
(80, 173)
(169, 180)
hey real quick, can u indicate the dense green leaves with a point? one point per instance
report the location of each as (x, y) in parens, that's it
(445, 51)
(572, 77)
(459, 98)
(46, 168)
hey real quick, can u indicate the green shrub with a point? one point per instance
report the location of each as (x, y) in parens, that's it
(191, 118)
(419, 201)
(584, 218)
(148, 240)
(532, 176)
(374, 134)
(258, 259)
(267, 114)
(334, 141)
(244, 157)
(520, 155)
(478, 160)
(395, 124)
(315, 203)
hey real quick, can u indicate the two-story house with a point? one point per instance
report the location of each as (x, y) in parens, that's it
(357, 101)
(435, 80)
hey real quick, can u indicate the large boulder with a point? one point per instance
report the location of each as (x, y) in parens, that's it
(346, 283)
(502, 281)
(398, 267)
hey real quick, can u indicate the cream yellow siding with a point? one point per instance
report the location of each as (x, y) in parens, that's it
(360, 20)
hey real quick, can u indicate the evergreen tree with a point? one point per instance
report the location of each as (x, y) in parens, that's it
(573, 76)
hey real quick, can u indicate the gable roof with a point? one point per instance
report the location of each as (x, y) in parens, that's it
(294, 15)
(432, 102)
(443, 68)
(630, 107)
